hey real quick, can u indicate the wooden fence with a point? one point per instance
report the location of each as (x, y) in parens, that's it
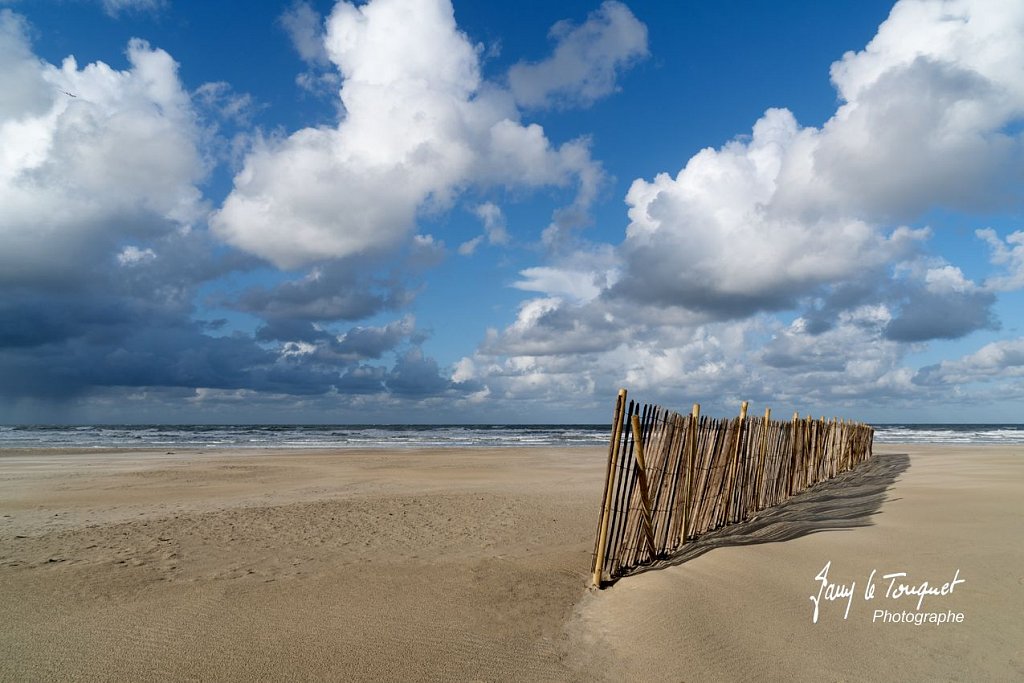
(671, 478)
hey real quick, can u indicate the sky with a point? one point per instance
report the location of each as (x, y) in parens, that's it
(437, 211)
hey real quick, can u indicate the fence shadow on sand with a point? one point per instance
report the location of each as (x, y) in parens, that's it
(846, 501)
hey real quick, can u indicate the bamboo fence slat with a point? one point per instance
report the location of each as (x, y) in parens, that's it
(671, 478)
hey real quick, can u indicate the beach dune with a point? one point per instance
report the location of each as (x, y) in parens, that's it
(473, 564)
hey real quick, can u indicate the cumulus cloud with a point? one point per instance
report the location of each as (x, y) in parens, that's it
(998, 360)
(715, 363)
(551, 326)
(578, 277)
(586, 60)
(1007, 254)
(928, 119)
(852, 362)
(101, 218)
(709, 238)
(420, 125)
(558, 281)
(804, 219)
(789, 212)
(929, 116)
(90, 157)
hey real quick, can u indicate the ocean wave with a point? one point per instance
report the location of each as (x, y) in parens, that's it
(412, 436)
(301, 436)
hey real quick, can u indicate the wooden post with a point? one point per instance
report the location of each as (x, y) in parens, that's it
(758, 494)
(691, 455)
(735, 461)
(645, 496)
(794, 441)
(810, 443)
(613, 452)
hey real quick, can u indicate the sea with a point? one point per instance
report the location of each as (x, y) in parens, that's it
(415, 436)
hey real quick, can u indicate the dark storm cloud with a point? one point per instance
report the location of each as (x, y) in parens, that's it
(418, 376)
(329, 294)
(357, 344)
(153, 353)
(374, 342)
(822, 317)
(925, 315)
(290, 329)
(363, 379)
(657, 275)
(130, 329)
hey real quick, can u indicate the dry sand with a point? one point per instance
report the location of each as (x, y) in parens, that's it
(473, 565)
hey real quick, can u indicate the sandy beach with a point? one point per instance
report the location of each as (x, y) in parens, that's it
(473, 564)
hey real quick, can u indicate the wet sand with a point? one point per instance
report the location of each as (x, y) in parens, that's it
(474, 564)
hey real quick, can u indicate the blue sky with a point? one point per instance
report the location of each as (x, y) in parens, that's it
(409, 211)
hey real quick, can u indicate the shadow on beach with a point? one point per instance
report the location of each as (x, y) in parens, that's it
(845, 502)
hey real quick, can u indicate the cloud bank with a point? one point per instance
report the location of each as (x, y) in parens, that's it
(816, 222)
(420, 126)
(791, 264)
(104, 220)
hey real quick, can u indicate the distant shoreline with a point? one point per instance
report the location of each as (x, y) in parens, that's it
(399, 436)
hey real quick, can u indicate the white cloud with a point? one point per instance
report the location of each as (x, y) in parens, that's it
(946, 279)
(710, 239)
(927, 119)
(220, 97)
(551, 326)
(115, 7)
(794, 217)
(771, 220)
(717, 364)
(926, 122)
(304, 26)
(494, 222)
(420, 126)
(495, 231)
(132, 255)
(577, 278)
(586, 60)
(464, 370)
(573, 285)
(90, 156)
(1002, 359)
(1008, 255)
(468, 247)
